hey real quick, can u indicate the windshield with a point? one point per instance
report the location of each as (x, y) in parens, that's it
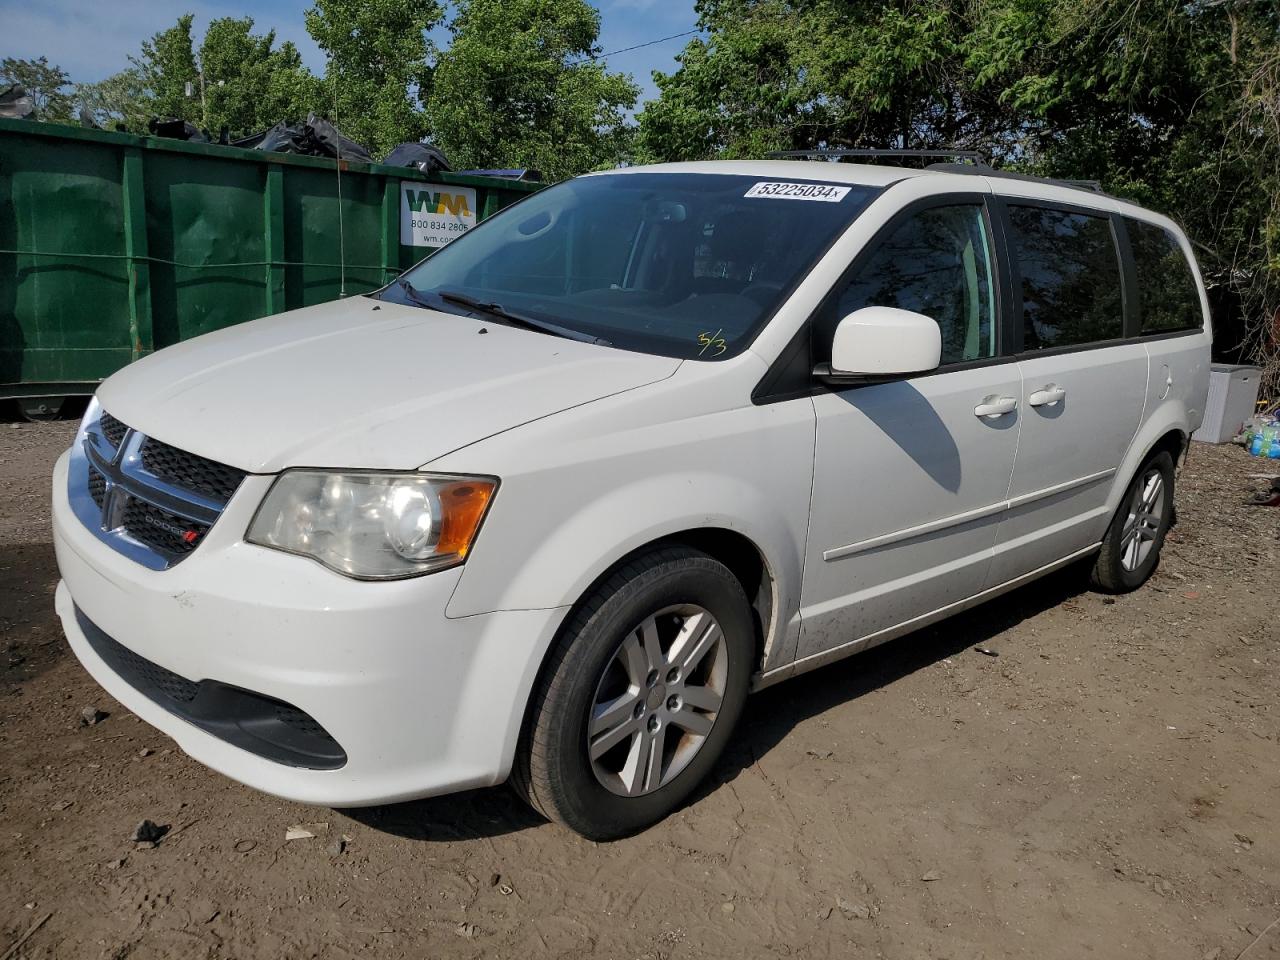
(687, 265)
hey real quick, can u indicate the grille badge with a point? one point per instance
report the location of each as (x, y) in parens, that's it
(187, 536)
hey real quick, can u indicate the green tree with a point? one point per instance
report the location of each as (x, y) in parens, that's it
(1174, 103)
(379, 63)
(45, 83)
(168, 68)
(1253, 141)
(519, 87)
(798, 74)
(120, 100)
(237, 78)
(249, 83)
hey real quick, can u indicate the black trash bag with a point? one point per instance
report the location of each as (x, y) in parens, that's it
(174, 129)
(16, 103)
(254, 140)
(420, 156)
(315, 138)
(332, 139)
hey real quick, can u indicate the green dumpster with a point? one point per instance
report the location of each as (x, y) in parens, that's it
(113, 246)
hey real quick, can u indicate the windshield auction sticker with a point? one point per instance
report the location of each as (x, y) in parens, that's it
(798, 191)
(432, 214)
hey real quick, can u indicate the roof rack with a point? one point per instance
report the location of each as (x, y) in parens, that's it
(1094, 185)
(969, 168)
(973, 156)
(975, 164)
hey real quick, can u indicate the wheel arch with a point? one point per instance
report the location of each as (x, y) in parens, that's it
(745, 560)
(1175, 442)
(1168, 433)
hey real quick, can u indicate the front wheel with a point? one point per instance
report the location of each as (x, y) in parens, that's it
(639, 696)
(1131, 548)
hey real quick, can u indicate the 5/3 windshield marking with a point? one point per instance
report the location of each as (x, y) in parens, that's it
(710, 341)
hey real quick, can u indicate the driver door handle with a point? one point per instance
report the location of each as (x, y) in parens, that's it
(994, 406)
(1048, 396)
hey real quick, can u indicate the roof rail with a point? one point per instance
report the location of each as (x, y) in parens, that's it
(974, 163)
(969, 168)
(973, 156)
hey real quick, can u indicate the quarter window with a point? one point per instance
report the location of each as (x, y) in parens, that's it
(938, 263)
(1070, 277)
(1168, 298)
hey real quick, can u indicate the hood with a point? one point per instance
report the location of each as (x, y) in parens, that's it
(361, 383)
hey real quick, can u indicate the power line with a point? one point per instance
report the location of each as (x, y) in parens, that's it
(674, 36)
(649, 43)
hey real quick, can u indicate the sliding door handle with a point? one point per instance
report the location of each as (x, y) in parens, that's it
(1051, 394)
(995, 406)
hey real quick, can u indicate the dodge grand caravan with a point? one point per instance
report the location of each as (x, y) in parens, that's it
(547, 507)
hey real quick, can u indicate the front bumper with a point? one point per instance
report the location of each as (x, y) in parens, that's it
(419, 703)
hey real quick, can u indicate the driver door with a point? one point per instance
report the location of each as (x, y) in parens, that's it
(911, 477)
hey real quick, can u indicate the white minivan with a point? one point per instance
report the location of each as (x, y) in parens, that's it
(547, 507)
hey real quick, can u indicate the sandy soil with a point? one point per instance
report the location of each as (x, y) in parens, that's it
(1106, 786)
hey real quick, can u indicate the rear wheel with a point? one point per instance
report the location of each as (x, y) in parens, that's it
(1131, 549)
(41, 409)
(640, 695)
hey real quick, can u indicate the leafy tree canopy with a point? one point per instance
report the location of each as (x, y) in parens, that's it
(379, 62)
(518, 87)
(1175, 103)
(250, 83)
(45, 83)
(168, 68)
(118, 101)
(236, 79)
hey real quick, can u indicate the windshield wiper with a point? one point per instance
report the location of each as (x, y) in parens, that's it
(514, 318)
(412, 293)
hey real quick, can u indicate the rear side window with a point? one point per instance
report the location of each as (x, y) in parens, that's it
(938, 263)
(1070, 277)
(1168, 298)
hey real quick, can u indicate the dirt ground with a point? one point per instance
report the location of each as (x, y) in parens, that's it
(1105, 785)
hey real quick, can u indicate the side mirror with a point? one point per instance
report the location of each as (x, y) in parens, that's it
(878, 344)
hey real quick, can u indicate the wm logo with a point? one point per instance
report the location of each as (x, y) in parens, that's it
(425, 201)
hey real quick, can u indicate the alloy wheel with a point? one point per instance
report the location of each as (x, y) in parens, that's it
(657, 700)
(1142, 525)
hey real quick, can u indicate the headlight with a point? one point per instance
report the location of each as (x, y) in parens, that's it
(376, 526)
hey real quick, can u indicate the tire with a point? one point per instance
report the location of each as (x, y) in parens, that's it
(598, 692)
(1122, 566)
(41, 409)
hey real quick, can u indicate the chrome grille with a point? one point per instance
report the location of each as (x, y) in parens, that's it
(98, 488)
(144, 498)
(112, 429)
(189, 471)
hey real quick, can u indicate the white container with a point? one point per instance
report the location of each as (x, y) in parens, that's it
(1233, 394)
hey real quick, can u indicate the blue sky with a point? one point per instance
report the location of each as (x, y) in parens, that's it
(92, 39)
